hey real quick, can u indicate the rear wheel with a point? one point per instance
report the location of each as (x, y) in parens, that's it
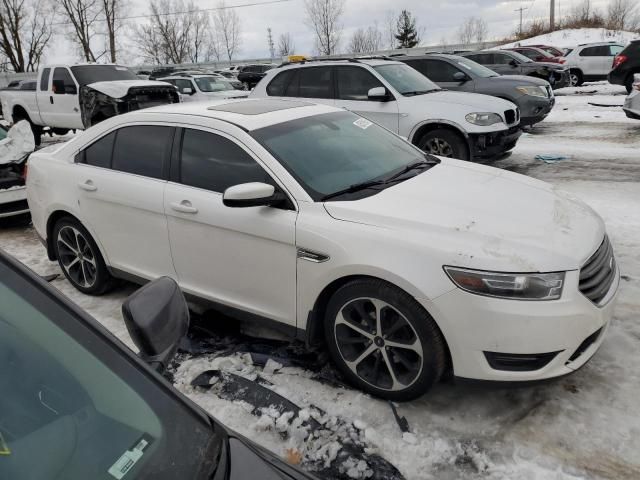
(444, 143)
(383, 341)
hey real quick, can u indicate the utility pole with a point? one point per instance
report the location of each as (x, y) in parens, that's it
(552, 14)
(272, 48)
(521, 9)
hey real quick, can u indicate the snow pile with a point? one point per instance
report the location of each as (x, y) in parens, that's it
(18, 144)
(575, 36)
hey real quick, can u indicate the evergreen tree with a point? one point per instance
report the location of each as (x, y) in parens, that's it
(407, 35)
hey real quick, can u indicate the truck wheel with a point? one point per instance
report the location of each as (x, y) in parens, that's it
(444, 143)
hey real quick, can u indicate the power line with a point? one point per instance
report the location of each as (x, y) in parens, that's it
(167, 14)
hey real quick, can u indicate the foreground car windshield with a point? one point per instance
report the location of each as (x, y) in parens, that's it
(87, 74)
(331, 152)
(406, 80)
(70, 413)
(476, 68)
(211, 84)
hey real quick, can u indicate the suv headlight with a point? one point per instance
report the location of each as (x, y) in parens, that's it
(533, 91)
(517, 286)
(484, 119)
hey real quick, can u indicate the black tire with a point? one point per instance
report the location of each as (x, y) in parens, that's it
(575, 78)
(413, 347)
(88, 265)
(60, 131)
(445, 143)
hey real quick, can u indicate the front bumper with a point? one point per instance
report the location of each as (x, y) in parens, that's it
(534, 109)
(559, 78)
(493, 144)
(13, 202)
(474, 325)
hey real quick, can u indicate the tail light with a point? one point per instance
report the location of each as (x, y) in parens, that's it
(619, 60)
(562, 60)
(25, 170)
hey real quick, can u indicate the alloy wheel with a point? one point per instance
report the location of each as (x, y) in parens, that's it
(77, 257)
(573, 79)
(378, 344)
(439, 146)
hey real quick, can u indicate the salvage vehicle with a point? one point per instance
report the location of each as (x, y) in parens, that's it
(626, 64)
(536, 54)
(590, 61)
(452, 124)
(632, 102)
(250, 75)
(79, 96)
(554, 51)
(200, 87)
(15, 147)
(506, 62)
(533, 96)
(314, 220)
(88, 407)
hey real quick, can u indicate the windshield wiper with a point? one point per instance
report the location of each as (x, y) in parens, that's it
(411, 166)
(420, 92)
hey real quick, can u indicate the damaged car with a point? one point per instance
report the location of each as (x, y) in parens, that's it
(15, 146)
(79, 96)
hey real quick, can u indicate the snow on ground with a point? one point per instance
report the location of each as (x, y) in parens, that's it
(583, 426)
(572, 37)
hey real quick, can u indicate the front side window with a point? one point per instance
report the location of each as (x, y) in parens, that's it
(502, 59)
(98, 153)
(591, 52)
(440, 71)
(73, 407)
(62, 80)
(142, 150)
(406, 80)
(315, 82)
(354, 83)
(278, 85)
(468, 65)
(215, 163)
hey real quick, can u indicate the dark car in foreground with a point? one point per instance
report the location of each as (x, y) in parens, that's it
(625, 65)
(506, 62)
(533, 96)
(250, 75)
(78, 404)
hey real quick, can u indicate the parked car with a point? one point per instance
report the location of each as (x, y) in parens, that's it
(506, 62)
(92, 409)
(533, 96)
(632, 102)
(556, 52)
(317, 221)
(228, 78)
(250, 75)
(15, 146)
(196, 88)
(143, 74)
(76, 97)
(394, 95)
(160, 72)
(536, 54)
(590, 61)
(626, 64)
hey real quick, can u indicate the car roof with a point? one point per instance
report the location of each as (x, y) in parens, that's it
(450, 56)
(248, 114)
(337, 61)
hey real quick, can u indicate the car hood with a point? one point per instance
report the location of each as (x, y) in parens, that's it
(476, 101)
(227, 94)
(120, 88)
(482, 217)
(508, 80)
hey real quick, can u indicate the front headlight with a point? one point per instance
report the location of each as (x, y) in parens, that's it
(517, 286)
(533, 91)
(484, 119)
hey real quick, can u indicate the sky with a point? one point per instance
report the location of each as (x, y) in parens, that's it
(438, 21)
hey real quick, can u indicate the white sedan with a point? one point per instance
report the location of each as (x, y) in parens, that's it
(315, 220)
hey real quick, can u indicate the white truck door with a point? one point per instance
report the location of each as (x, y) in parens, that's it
(61, 109)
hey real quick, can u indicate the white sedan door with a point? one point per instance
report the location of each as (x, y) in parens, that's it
(121, 198)
(244, 258)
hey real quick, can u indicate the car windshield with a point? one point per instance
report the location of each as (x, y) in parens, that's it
(75, 407)
(475, 68)
(331, 152)
(406, 80)
(212, 84)
(87, 74)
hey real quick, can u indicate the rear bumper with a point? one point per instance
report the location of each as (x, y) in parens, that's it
(494, 144)
(13, 202)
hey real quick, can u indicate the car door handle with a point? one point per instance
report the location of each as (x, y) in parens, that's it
(184, 207)
(88, 186)
(51, 99)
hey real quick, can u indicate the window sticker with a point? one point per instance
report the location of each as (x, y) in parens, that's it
(362, 123)
(129, 458)
(4, 448)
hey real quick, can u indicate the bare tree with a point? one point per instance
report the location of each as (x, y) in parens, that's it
(480, 30)
(623, 15)
(473, 29)
(285, 45)
(83, 16)
(390, 30)
(149, 43)
(227, 25)
(323, 16)
(214, 47)
(199, 37)
(113, 12)
(366, 41)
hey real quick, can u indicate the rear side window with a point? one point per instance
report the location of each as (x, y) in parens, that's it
(615, 50)
(354, 83)
(44, 79)
(277, 86)
(142, 150)
(98, 153)
(215, 163)
(315, 82)
(532, 54)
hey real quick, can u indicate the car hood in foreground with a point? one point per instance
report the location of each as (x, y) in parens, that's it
(120, 88)
(482, 217)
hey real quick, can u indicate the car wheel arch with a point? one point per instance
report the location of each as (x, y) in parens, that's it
(425, 128)
(54, 218)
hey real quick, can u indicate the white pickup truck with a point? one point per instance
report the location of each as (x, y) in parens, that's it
(78, 96)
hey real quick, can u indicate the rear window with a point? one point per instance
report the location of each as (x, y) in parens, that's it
(98, 153)
(142, 150)
(277, 86)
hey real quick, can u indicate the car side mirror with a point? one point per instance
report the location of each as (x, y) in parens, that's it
(157, 318)
(187, 91)
(460, 77)
(254, 194)
(378, 94)
(513, 63)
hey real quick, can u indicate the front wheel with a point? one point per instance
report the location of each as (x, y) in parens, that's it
(444, 143)
(383, 341)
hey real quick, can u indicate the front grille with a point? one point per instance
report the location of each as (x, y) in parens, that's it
(519, 362)
(590, 340)
(510, 116)
(17, 206)
(598, 273)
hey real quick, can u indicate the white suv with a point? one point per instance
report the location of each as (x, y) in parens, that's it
(450, 124)
(590, 61)
(318, 221)
(197, 88)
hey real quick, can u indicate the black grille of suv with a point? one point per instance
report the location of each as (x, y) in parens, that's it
(510, 116)
(598, 273)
